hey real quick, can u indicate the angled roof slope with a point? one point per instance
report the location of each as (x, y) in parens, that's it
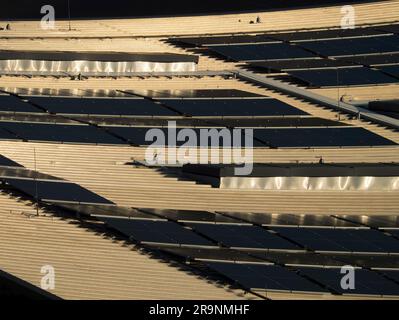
(89, 265)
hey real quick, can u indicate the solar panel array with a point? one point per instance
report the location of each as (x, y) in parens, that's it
(266, 277)
(300, 64)
(392, 70)
(243, 236)
(287, 253)
(72, 133)
(9, 103)
(255, 252)
(355, 240)
(117, 135)
(233, 107)
(259, 52)
(204, 105)
(366, 282)
(343, 77)
(284, 246)
(320, 137)
(151, 231)
(369, 60)
(322, 58)
(101, 106)
(119, 120)
(353, 46)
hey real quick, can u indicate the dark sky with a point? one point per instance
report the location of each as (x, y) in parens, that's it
(30, 9)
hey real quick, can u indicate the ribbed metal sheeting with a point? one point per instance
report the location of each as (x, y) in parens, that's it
(93, 63)
(43, 67)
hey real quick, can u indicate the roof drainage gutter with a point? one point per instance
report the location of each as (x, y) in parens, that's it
(316, 98)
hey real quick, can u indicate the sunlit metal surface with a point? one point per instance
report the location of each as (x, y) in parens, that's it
(349, 183)
(65, 92)
(102, 68)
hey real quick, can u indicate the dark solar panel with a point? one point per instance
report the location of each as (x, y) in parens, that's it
(395, 233)
(98, 106)
(13, 104)
(156, 231)
(391, 70)
(261, 51)
(324, 259)
(193, 93)
(292, 64)
(392, 28)
(136, 135)
(267, 277)
(321, 137)
(371, 59)
(352, 46)
(213, 253)
(233, 107)
(243, 236)
(188, 215)
(325, 34)
(7, 135)
(298, 137)
(310, 239)
(289, 258)
(56, 191)
(366, 282)
(57, 133)
(6, 162)
(392, 274)
(390, 106)
(324, 239)
(203, 41)
(101, 210)
(394, 115)
(343, 77)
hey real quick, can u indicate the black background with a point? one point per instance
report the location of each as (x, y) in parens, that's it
(30, 9)
(338, 310)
